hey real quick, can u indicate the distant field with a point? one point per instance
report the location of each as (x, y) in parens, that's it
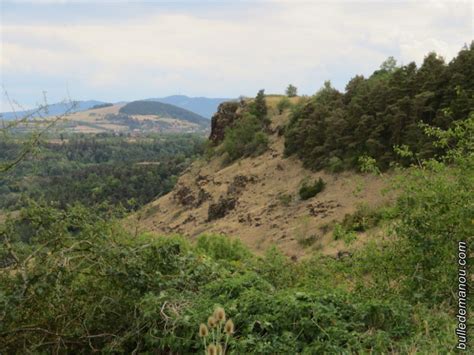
(111, 120)
(95, 114)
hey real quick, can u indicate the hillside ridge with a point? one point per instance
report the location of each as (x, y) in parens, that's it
(204, 106)
(256, 200)
(163, 110)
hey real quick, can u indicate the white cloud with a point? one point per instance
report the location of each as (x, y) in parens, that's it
(301, 42)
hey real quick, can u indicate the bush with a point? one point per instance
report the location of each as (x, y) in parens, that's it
(96, 287)
(283, 104)
(363, 219)
(221, 247)
(434, 214)
(244, 139)
(335, 165)
(341, 233)
(308, 191)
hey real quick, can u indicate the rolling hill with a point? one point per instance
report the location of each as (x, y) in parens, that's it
(139, 117)
(59, 108)
(162, 110)
(203, 106)
(263, 206)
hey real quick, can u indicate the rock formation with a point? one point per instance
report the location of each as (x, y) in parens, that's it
(226, 115)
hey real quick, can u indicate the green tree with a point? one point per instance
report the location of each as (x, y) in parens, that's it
(283, 104)
(383, 111)
(291, 91)
(245, 139)
(260, 105)
(389, 65)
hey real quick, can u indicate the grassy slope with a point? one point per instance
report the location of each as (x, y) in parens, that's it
(262, 218)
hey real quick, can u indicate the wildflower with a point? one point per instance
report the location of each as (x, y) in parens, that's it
(212, 350)
(203, 331)
(219, 314)
(219, 349)
(229, 327)
(211, 322)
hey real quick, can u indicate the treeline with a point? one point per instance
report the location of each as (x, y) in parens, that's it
(380, 115)
(98, 169)
(105, 104)
(163, 110)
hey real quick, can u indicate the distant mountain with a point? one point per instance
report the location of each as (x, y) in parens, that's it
(163, 110)
(203, 106)
(54, 109)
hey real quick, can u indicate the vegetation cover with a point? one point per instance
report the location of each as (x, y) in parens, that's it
(248, 136)
(94, 170)
(310, 190)
(76, 281)
(73, 279)
(163, 110)
(377, 114)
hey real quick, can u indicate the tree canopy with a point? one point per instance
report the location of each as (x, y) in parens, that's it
(383, 111)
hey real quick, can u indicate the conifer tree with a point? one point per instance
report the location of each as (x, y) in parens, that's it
(260, 105)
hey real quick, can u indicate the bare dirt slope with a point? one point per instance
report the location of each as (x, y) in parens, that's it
(256, 200)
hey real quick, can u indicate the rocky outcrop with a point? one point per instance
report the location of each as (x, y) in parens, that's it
(221, 208)
(226, 115)
(239, 183)
(184, 195)
(323, 208)
(189, 198)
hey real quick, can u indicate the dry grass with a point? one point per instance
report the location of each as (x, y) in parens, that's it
(95, 121)
(260, 219)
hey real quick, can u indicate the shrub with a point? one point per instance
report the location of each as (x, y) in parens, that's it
(335, 165)
(221, 247)
(307, 241)
(340, 233)
(283, 104)
(244, 139)
(285, 199)
(308, 191)
(150, 293)
(434, 214)
(364, 218)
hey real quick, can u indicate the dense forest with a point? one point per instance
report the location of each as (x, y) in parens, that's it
(380, 115)
(162, 109)
(94, 170)
(75, 280)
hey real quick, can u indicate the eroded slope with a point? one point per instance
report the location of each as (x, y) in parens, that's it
(256, 200)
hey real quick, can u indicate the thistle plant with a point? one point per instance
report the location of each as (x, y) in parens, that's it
(215, 335)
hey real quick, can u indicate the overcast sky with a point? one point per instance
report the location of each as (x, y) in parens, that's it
(126, 50)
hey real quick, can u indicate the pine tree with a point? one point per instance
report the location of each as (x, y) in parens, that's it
(260, 105)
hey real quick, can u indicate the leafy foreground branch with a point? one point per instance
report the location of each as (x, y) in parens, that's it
(78, 284)
(38, 125)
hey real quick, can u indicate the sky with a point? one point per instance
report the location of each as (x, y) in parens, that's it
(129, 50)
